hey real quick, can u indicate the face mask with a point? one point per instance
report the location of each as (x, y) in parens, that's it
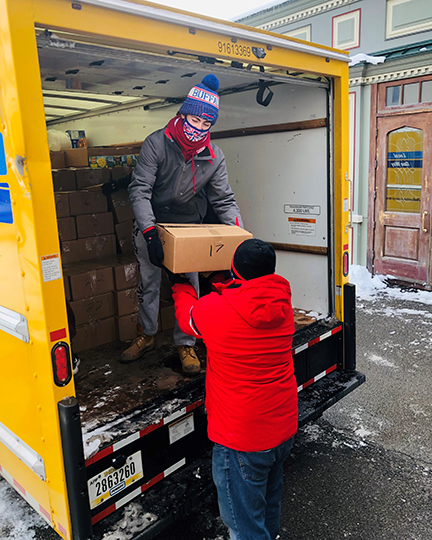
(192, 133)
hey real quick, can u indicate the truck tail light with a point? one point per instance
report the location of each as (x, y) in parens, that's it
(61, 363)
(345, 264)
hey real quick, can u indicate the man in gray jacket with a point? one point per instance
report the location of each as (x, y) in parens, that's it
(178, 173)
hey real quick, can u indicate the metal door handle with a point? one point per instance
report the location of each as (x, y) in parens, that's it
(423, 221)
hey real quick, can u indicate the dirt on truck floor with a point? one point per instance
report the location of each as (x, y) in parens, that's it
(106, 388)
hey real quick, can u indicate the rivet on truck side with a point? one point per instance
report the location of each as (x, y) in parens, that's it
(41, 450)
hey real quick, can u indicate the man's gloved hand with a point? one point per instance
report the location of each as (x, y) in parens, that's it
(175, 278)
(108, 188)
(154, 246)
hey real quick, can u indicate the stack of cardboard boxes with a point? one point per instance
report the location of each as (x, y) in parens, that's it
(99, 267)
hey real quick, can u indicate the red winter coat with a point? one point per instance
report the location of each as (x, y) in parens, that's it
(251, 391)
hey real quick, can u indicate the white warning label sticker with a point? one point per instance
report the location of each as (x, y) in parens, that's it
(51, 267)
(181, 428)
(302, 226)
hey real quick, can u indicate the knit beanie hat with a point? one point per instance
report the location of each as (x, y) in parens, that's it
(203, 100)
(253, 258)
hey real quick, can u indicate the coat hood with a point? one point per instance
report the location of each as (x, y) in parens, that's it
(263, 302)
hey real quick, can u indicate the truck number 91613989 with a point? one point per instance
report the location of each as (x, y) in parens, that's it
(234, 48)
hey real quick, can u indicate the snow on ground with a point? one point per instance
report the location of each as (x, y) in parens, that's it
(370, 287)
(17, 518)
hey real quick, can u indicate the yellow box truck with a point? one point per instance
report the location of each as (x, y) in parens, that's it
(79, 448)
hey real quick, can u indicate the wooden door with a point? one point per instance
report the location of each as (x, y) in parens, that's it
(403, 195)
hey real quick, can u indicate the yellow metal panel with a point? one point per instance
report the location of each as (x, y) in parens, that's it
(112, 28)
(341, 168)
(28, 395)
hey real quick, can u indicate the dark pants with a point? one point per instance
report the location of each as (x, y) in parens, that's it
(249, 486)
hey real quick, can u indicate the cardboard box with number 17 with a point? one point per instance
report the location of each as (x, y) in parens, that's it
(199, 248)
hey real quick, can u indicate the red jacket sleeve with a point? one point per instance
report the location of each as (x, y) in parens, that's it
(185, 298)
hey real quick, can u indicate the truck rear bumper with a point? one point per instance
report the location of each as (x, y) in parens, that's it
(172, 498)
(315, 399)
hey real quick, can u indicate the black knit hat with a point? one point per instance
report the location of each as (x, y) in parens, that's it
(253, 258)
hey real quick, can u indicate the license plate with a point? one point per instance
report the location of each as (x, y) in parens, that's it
(111, 481)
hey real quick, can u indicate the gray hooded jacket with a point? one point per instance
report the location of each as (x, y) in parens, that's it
(162, 187)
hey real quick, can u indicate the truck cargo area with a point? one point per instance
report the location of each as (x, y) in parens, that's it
(275, 129)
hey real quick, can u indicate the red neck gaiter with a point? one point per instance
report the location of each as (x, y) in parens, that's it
(188, 148)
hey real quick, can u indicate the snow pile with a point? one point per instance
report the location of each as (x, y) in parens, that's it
(134, 520)
(362, 57)
(371, 288)
(366, 285)
(18, 519)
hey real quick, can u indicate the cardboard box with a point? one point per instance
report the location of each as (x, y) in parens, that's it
(67, 288)
(67, 228)
(87, 202)
(124, 237)
(199, 248)
(125, 269)
(120, 172)
(58, 160)
(85, 249)
(87, 177)
(167, 315)
(92, 335)
(110, 162)
(62, 205)
(121, 206)
(113, 156)
(127, 327)
(77, 157)
(94, 224)
(126, 302)
(77, 137)
(64, 180)
(89, 279)
(93, 309)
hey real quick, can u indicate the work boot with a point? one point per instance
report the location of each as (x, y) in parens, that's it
(189, 360)
(140, 345)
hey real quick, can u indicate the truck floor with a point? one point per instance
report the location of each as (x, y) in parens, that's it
(107, 389)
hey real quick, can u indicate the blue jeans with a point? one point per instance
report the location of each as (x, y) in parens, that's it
(249, 486)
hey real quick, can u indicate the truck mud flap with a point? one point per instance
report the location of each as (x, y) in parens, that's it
(186, 490)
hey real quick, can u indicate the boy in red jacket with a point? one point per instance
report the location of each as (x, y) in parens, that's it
(251, 391)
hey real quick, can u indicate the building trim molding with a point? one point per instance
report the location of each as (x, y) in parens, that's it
(392, 76)
(306, 13)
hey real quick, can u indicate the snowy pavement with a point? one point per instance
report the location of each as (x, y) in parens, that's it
(364, 470)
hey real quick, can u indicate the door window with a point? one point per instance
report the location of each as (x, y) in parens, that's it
(404, 170)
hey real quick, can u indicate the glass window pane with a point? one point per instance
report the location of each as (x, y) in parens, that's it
(393, 96)
(426, 92)
(404, 170)
(346, 31)
(410, 93)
